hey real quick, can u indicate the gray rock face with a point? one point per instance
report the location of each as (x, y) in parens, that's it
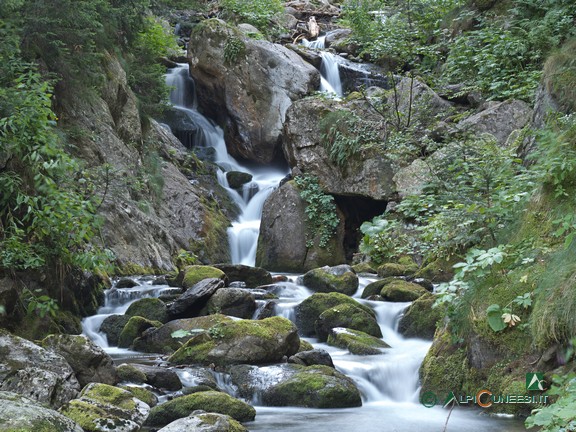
(90, 362)
(247, 85)
(32, 371)
(205, 422)
(236, 302)
(252, 276)
(368, 174)
(161, 378)
(312, 357)
(500, 120)
(284, 218)
(22, 414)
(192, 301)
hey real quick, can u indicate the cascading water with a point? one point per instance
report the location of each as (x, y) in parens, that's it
(329, 72)
(243, 234)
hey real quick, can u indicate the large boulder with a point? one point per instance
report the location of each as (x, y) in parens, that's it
(242, 341)
(160, 377)
(312, 357)
(247, 85)
(192, 274)
(211, 401)
(112, 327)
(89, 362)
(308, 311)
(133, 329)
(348, 316)
(252, 276)
(367, 174)
(339, 278)
(102, 407)
(194, 299)
(420, 319)
(34, 372)
(284, 217)
(18, 413)
(236, 302)
(356, 341)
(402, 291)
(160, 340)
(205, 422)
(152, 309)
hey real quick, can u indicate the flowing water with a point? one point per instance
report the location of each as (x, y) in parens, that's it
(330, 82)
(243, 234)
(388, 382)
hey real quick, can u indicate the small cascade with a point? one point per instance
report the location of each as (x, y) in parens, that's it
(243, 234)
(329, 71)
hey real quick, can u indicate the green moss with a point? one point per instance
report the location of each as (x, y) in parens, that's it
(305, 346)
(310, 309)
(129, 373)
(348, 316)
(194, 351)
(196, 273)
(420, 319)
(357, 342)
(402, 291)
(85, 414)
(134, 329)
(152, 309)
(108, 394)
(396, 269)
(439, 270)
(363, 268)
(143, 394)
(211, 401)
(375, 287)
(323, 281)
(265, 329)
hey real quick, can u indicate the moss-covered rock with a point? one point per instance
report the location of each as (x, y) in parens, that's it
(193, 274)
(438, 271)
(161, 340)
(326, 279)
(305, 346)
(129, 373)
(242, 341)
(101, 406)
(397, 269)
(355, 341)
(251, 276)
(374, 288)
(314, 387)
(134, 329)
(402, 291)
(348, 316)
(205, 422)
(152, 309)
(211, 401)
(143, 394)
(236, 302)
(236, 179)
(363, 268)
(112, 327)
(308, 311)
(420, 319)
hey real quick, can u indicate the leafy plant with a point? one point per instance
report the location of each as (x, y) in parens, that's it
(259, 13)
(321, 211)
(500, 317)
(233, 49)
(561, 415)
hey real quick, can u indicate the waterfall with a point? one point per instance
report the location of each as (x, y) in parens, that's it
(243, 234)
(330, 82)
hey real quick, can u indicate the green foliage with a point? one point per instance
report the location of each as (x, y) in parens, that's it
(321, 211)
(560, 76)
(561, 415)
(41, 305)
(233, 50)
(345, 134)
(503, 56)
(502, 317)
(185, 258)
(385, 240)
(44, 217)
(259, 13)
(407, 32)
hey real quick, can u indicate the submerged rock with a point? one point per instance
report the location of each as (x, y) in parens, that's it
(356, 341)
(18, 413)
(242, 341)
(205, 422)
(339, 278)
(34, 372)
(211, 401)
(89, 362)
(102, 407)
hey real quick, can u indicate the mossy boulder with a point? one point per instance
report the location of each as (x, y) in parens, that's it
(112, 327)
(314, 387)
(205, 422)
(210, 401)
(242, 341)
(236, 302)
(363, 268)
(305, 346)
(143, 394)
(355, 341)
(420, 319)
(348, 316)
(193, 274)
(160, 340)
(438, 271)
(402, 291)
(21, 414)
(326, 279)
(397, 269)
(160, 377)
(103, 407)
(236, 179)
(130, 373)
(308, 311)
(190, 303)
(133, 329)
(152, 309)
(251, 276)
(374, 288)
